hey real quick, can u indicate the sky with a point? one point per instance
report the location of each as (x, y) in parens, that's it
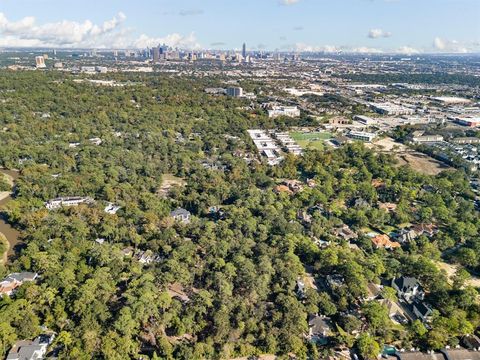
(403, 26)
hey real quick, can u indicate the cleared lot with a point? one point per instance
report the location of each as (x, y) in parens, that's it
(419, 162)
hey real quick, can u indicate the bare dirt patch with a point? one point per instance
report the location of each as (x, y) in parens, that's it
(422, 163)
(168, 182)
(451, 270)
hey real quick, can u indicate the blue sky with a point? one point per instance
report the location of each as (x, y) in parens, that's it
(352, 25)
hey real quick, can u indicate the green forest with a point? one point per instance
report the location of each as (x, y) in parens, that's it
(225, 284)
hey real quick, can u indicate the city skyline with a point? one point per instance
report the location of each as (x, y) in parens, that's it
(358, 26)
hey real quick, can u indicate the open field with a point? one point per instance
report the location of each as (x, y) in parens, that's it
(452, 269)
(422, 163)
(311, 140)
(405, 156)
(387, 145)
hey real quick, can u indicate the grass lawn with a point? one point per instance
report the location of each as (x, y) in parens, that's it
(311, 140)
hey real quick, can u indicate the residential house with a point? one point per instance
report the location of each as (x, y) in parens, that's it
(112, 209)
(388, 207)
(293, 185)
(471, 342)
(282, 189)
(408, 289)
(378, 183)
(147, 257)
(15, 280)
(300, 288)
(304, 216)
(446, 354)
(422, 311)
(181, 215)
(67, 202)
(425, 229)
(345, 233)
(383, 241)
(373, 291)
(395, 311)
(30, 350)
(319, 329)
(96, 141)
(404, 236)
(335, 280)
(361, 203)
(177, 291)
(311, 183)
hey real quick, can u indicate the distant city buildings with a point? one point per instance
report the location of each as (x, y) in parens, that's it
(391, 109)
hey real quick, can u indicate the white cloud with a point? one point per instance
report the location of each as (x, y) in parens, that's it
(302, 47)
(72, 34)
(378, 33)
(65, 33)
(365, 50)
(449, 46)
(289, 2)
(407, 50)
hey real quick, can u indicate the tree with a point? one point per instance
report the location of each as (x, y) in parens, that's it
(367, 346)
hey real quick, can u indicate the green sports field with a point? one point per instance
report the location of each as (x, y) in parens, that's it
(311, 140)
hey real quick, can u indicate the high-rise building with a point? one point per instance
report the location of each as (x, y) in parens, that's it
(156, 54)
(244, 51)
(40, 62)
(235, 91)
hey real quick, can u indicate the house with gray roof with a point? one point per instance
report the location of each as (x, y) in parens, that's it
(15, 280)
(30, 349)
(408, 288)
(319, 329)
(181, 215)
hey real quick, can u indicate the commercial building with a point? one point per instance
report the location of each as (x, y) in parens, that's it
(235, 91)
(391, 109)
(362, 136)
(40, 62)
(427, 139)
(451, 100)
(365, 119)
(466, 140)
(156, 54)
(289, 144)
(288, 111)
(266, 146)
(468, 121)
